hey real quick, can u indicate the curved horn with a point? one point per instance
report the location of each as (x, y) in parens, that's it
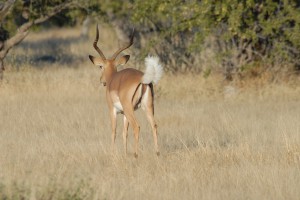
(124, 47)
(95, 44)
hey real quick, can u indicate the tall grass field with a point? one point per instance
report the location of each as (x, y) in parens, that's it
(218, 140)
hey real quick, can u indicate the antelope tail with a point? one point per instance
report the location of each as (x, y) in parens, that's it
(153, 70)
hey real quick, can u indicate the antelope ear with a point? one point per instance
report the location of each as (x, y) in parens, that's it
(123, 60)
(97, 61)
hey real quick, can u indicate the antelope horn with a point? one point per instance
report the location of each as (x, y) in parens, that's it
(124, 47)
(95, 44)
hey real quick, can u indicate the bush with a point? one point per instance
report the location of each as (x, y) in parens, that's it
(237, 34)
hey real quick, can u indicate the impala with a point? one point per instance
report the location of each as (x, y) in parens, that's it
(127, 90)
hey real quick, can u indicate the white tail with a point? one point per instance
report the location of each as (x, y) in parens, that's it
(153, 71)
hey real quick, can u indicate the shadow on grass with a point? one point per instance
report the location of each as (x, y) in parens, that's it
(47, 52)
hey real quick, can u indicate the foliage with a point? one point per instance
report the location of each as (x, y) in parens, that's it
(240, 32)
(25, 10)
(18, 17)
(233, 34)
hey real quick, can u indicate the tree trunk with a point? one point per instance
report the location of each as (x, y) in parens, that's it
(1, 69)
(85, 27)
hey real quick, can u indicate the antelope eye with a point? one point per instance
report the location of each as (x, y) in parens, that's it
(101, 66)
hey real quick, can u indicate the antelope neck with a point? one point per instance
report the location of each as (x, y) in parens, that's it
(109, 74)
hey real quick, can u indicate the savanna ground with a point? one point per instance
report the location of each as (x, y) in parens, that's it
(218, 140)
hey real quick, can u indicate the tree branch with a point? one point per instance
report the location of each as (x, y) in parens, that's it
(4, 8)
(54, 11)
(24, 29)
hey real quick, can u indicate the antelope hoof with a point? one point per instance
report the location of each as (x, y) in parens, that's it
(135, 155)
(158, 153)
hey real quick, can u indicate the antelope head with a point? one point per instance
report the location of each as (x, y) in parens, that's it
(109, 66)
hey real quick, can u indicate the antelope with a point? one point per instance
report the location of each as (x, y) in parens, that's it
(127, 90)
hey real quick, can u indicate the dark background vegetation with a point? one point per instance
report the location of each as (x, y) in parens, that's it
(237, 38)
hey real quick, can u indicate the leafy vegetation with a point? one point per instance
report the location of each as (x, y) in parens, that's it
(18, 17)
(230, 36)
(239, 34)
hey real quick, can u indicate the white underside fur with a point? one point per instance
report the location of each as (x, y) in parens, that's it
(153, 70)
(118, 107)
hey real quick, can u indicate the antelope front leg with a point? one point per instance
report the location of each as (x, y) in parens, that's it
(113, 118)
(125, 133)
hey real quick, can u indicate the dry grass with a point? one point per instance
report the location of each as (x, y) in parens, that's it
(216, 142)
